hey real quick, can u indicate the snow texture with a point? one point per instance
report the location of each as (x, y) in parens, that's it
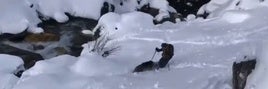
(204, 53)
(17, 16)
(56, 9)
(8, 65)
(205, 50)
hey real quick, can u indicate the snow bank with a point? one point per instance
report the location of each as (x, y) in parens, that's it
(218, 7)
(124, 24)
(17, 16)
(56, 9)
(258, 79)
(8, 65)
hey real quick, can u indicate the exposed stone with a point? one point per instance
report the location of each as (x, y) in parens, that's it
(29, 58)
(42, 37)
(13, 37)
(241, 71)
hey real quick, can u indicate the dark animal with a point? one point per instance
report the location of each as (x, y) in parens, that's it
(149, 65)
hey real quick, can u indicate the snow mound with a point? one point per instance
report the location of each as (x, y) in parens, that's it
(56, 9)
(218, 7)
(258, 79)
(17, 16)
(9, 64)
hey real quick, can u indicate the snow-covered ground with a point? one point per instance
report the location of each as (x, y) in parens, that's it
(204, 53)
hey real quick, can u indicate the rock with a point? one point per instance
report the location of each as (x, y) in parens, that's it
(13, 37)
(186, 7)
(43, 37)
(241, 71)
(29, 58)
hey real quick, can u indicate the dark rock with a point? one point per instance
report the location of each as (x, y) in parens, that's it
(29, 58)
(241, 71)
(19, 73)
(186, 7)
(38, 47)
(13, 37)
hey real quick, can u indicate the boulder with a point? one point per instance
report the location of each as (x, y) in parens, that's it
(241, 71)
(29, 58)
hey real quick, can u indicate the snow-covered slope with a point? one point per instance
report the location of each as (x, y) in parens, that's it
(204, 53)
(205, 50)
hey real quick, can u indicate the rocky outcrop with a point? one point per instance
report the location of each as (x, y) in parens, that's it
(29, 58)
(241, 71)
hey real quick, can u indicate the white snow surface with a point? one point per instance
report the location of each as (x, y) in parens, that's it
(17, 16)
(258, 79)
(205, 49)
(56, 9)
(8, 65)
(204, 53)
(218, 7)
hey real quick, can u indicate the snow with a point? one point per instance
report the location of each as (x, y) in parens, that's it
(204, 53)
(8, 65)
(218, 7)
(205, 49)
(235, 16)
(258, 79)
(56, 9)
(17, 16)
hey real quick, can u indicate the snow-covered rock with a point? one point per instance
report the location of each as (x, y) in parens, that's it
(17, 16)
(56, 9)
(8, 65)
